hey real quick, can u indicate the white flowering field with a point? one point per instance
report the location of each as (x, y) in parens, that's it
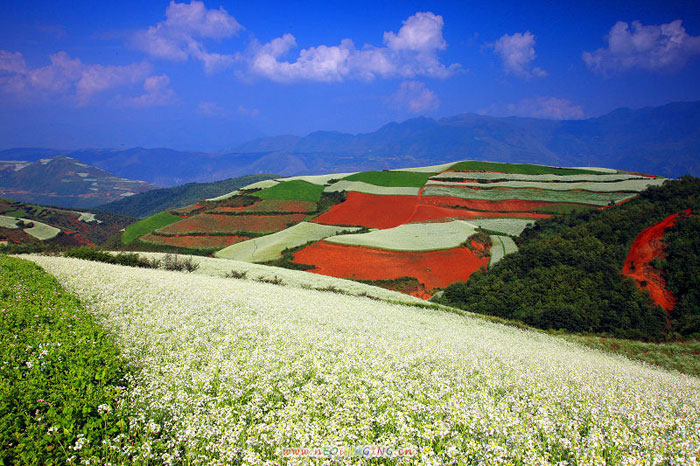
(603, 187)
(544, 177)
(500, 246)
(234, 371)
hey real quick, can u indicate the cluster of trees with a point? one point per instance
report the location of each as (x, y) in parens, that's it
(567, 273)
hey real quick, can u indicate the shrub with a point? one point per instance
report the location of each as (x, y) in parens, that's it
(236, 274)
(174, 262)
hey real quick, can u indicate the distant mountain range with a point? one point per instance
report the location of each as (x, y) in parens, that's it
(64, 181)
(661, 140)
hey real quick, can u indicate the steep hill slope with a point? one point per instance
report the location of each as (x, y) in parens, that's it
(567, 272)
(64, 181)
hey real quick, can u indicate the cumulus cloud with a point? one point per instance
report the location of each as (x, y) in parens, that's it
(66, 76)
(180, 37)
(653, 47)
(539, 107)
(412, 51)
(517, 51)
(414, 97)
(157, 93)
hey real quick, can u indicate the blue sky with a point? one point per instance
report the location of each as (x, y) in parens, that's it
(209, 75)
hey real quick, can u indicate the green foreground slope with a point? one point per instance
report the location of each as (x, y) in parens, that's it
(59, 375)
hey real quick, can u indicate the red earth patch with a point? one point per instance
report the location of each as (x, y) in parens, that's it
(204, 223)
(194, 241)
(433, 269)
(376, 211)
(647, 246)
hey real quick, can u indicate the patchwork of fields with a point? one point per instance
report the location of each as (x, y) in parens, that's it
(234, 371)
(427, 219)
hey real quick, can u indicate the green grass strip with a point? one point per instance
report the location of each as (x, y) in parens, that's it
(521, 168)
(147, 225)
(59, 373)
(391, 178)
(295, 190)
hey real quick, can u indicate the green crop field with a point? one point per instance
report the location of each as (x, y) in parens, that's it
(59, 372)
(391, 178)
(525, 169)
(148, 225)
(295, 190)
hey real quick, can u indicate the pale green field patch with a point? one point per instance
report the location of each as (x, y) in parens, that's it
(270, 247)
(361, 187)
(412, 236)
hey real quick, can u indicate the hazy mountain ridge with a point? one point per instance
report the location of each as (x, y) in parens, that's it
(661, 140)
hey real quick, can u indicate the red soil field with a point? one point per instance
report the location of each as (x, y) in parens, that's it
(272, 205)
(433, 269)
(375, 211)
(204, 223)
(513, 205)
(647, 246)
(194, 242)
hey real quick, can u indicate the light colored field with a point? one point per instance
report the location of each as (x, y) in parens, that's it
(430, 169)
(261, 185)
(361, 187)
(233, 371)
(543, 177)
(412, 237)
(224, 196)
(40, 231)
(270, 247)
(507, 226)
(318, 179)
(597, 169)
(500, 246)
(617, 186)
(8, 222)
(576, 197)
(88, 217)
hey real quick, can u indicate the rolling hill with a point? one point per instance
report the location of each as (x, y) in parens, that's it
(414, 230)
(35, 225)
(64, 181)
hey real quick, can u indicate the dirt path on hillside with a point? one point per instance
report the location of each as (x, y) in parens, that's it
(647, 246)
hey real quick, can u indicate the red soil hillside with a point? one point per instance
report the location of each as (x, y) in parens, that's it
(433, 269)
(647, 246)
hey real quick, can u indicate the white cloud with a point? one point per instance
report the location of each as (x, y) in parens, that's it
(410, 52)
(666, 46)
(156, 93)
(414, 97)
(180, 36)
(248, 112)
(211, 109)
(66, 76)
(539, 107)
(517, 51)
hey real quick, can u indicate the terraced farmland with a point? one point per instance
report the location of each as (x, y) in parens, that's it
(425, 218)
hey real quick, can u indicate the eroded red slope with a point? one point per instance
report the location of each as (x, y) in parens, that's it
(647, 246)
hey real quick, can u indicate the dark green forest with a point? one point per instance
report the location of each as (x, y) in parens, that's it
(567, 273)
